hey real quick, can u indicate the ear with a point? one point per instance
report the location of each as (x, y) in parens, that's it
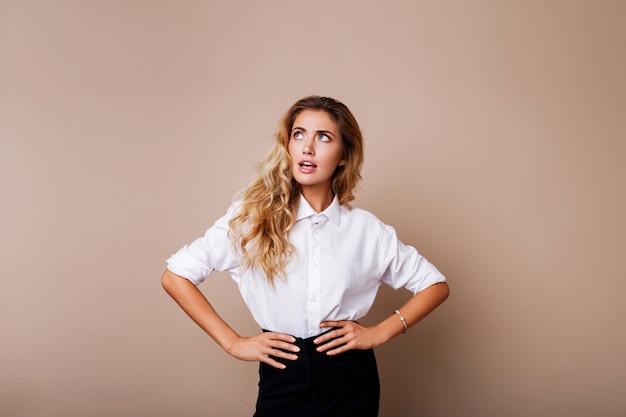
(341, 163)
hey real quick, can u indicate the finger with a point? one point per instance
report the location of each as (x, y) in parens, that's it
(280, 336)
(337, 323)
(271, 362)
(339, 341)
(341, 332)
(285, 343)
(340, 349)
(337, 346)
(287, 347)
(278, 353)
(333, 334)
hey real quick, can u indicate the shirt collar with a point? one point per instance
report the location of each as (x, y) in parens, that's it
(333, 211)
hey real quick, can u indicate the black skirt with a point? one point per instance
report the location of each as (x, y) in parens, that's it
(318, 385)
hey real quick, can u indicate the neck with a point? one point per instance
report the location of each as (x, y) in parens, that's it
(319, 199)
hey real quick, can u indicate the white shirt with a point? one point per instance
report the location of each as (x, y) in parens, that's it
(341, 257)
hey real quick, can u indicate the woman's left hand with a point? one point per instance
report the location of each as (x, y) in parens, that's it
(346, 335)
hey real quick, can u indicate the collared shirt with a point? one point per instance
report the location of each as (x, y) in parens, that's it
(341, 258)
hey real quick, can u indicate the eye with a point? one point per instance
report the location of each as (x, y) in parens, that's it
(323, 137)
(298, 135)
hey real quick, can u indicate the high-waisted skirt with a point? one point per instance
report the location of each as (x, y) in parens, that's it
(318, 385)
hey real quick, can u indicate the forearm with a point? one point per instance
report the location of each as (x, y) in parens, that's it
(346, 335)
(198, 308)
(414, 310)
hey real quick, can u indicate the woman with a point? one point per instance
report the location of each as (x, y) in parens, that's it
(308, 267)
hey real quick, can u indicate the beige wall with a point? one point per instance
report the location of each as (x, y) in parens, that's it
(495, 144)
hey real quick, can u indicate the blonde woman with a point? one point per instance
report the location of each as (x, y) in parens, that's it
(308, 266)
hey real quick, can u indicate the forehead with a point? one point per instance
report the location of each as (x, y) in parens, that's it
(314, 120)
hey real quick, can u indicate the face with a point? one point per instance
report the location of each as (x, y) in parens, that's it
(315, 150)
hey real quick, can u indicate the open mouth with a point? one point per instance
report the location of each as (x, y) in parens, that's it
(307, 164)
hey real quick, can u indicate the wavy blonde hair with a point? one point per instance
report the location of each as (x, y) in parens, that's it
(261, 226)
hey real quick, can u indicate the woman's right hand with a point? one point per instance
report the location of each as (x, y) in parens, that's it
(260, 347)
(256, 348)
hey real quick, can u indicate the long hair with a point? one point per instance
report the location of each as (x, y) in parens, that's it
(260, 228)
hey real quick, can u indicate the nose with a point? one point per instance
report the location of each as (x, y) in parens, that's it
(308, 148)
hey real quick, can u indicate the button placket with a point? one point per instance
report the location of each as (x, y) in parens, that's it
(314, 276)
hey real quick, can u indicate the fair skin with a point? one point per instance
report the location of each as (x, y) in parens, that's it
(316, 151)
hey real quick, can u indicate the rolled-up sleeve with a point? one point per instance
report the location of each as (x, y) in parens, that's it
(405, 267)
(211, 252)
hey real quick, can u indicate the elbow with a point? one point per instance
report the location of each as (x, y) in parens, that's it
(168, 281)
(174, 284)
(445, 291)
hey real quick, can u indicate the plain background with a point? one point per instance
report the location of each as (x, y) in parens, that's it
(494, 144)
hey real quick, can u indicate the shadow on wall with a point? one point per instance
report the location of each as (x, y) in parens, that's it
(418, 367)
(413, 367)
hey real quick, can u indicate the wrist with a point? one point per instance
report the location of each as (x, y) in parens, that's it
(384, 332)
(391, 327)
(402, 320)
(230, 343)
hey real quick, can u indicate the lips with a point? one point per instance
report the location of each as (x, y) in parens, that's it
(307, 166)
